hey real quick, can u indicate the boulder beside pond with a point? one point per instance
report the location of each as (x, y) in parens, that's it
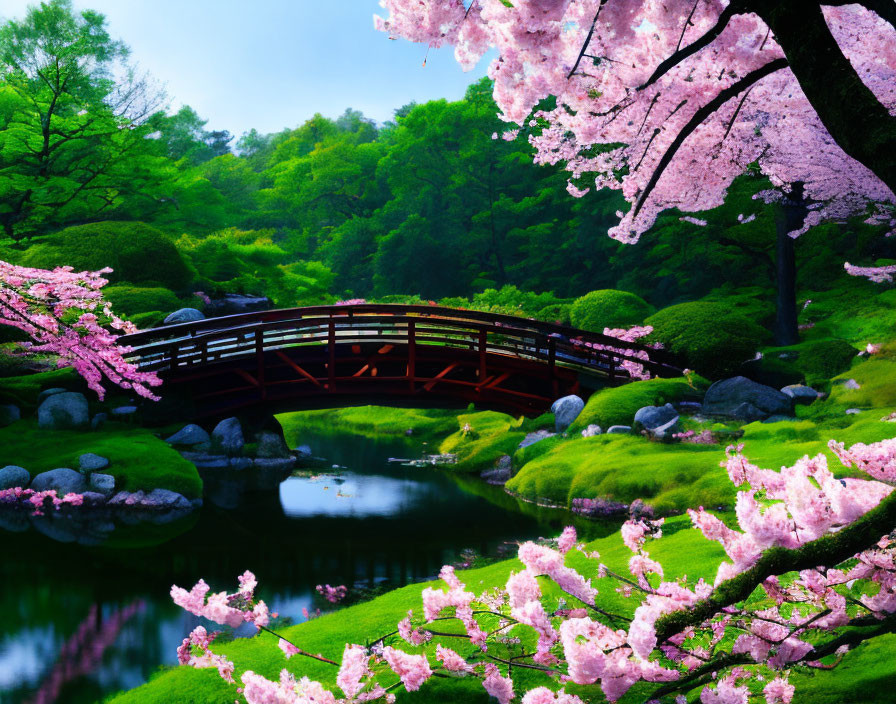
(741, 399)
(652, 417)
(191, 434)
(13, 476)
(91, 462)
(62, 481)
(228, 436)
(64, 411)
(800, 393)
(183, 315)
(565, 411)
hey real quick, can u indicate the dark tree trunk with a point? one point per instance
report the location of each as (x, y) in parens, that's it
(791, 214)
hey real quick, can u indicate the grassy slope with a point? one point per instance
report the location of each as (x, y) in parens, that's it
(138, 459)
(681, 547)
(371, 421)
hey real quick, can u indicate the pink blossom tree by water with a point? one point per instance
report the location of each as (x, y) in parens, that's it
(65, 315)
(810, 574)
(668, 102)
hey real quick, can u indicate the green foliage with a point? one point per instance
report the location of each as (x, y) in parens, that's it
(617, 406)
(23, 390)
(428, 424)
(608, 308)
(129, 301)
(139, 461)
(814, 362)
(136, 252)
(509, 300)
(708, 337)
(482, 439)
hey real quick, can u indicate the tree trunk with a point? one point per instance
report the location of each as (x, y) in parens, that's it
(790, 217)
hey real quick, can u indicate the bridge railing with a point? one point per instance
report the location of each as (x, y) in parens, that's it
(227, 338)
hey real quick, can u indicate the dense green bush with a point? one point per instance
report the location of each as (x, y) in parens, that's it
(136, 253)
(608, 308)
(131, 300)
(708, 337)
(821, 360)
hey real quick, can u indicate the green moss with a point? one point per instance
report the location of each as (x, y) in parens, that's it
(608, 308)
(372, 421)
(489, 436)
(148, 320)
(708, 337)
(136, 252)
(876, 378)
(24, 390)
(814, 362)
(138, 459)
(617, 406)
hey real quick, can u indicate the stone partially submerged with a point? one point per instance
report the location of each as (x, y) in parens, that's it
(741, 399)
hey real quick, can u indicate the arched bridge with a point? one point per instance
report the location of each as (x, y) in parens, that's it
(415, 354)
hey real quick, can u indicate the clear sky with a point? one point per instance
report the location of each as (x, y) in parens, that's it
(271, 64)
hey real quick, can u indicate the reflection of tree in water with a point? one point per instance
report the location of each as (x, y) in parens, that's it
(83, 652)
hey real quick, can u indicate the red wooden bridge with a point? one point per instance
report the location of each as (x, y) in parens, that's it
(388, 354)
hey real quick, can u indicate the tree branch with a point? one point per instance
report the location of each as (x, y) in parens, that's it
(700, 116)
(830, 549)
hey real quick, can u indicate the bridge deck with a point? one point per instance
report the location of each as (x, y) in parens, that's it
(381, 352)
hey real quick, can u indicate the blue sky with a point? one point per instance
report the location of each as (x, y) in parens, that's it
(271, 64)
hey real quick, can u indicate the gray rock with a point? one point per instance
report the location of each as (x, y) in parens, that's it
(119, 498)
(46, 393)
(651, 417)
(619, 429)
(271, 445)
(94, 498)
(183, 315)
(63, 481)
(204, 460)
(165, 499)
(851, 384)
(91, 462)
(535, 437)
(504, 462)
(240, 463)
(135, 498)
(64, 411)
(9, 414)
(191, 434)
(275, 464)
(102, 483)
(800, 393)
(99, 420)
(592, 430)
(665, 431)
(303, 450)
(235, 303)
(565, 411)
(740, 398)
(853, 411)
(124, 411)
(12, 476)
(228, 436)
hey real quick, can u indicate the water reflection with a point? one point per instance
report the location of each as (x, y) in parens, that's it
(84, 621)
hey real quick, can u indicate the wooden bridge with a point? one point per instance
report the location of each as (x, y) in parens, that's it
(388, 354)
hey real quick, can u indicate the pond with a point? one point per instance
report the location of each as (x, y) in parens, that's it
(82, 622)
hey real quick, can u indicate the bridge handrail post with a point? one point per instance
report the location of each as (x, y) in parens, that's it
(412, 352)
(483, 349)
(259, 360)
(331, 349)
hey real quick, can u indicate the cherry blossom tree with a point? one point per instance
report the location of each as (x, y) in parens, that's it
(65, 315)
(670, 101)
(811, 573)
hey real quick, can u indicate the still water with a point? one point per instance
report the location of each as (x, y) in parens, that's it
(79, 623)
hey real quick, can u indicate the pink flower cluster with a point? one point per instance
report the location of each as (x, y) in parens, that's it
(65, 315)
(36, 500)
(624, 355)
(201, 639)
(332, 594)
(227, 609)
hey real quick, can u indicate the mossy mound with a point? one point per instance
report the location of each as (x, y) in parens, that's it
(131, 300)
(482, 439)
(372, 421)
(708, 337)
(138, 459)
(23, 390)
(608, 308)
(136, 252)
(617, 406)
(876, 378)
(814, 362)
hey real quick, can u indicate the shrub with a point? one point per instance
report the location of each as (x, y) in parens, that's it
(822, 360)
(707, 337)
(135, 252)
(132, 300)
(608, 308)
